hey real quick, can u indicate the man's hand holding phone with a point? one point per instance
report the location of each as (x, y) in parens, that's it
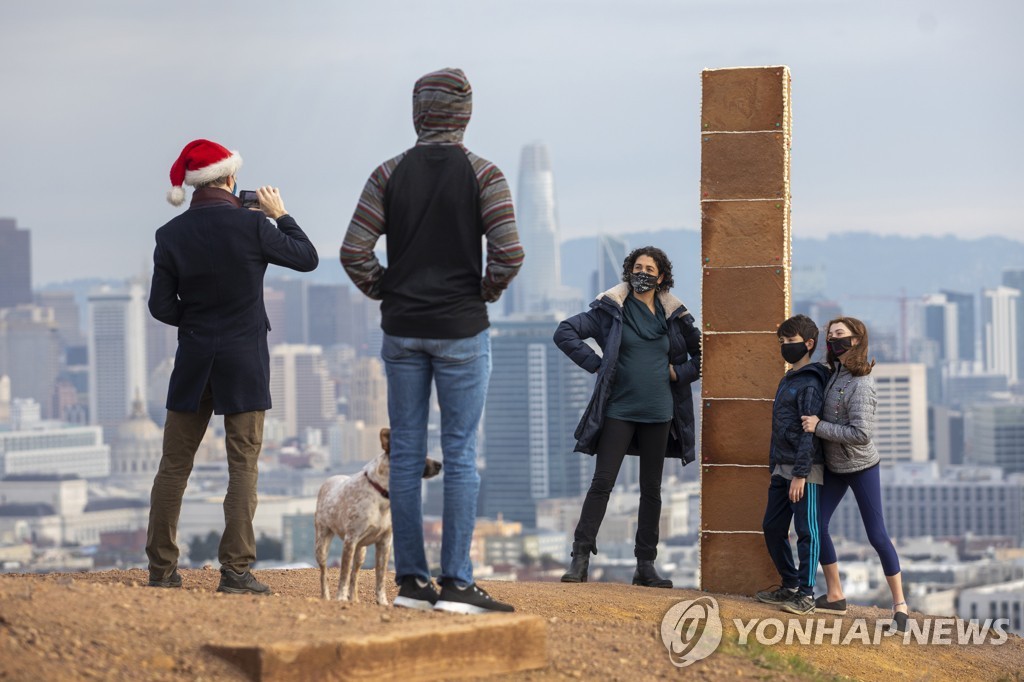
(266, 199)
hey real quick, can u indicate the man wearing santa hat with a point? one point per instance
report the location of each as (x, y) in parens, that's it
(208, 272)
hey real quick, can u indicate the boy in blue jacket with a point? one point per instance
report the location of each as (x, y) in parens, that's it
(797, 468)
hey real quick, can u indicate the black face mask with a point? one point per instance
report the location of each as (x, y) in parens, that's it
(794, 352)
(841, 345)
(643, 282)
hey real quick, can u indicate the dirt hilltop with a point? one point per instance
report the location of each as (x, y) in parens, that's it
(109, 626)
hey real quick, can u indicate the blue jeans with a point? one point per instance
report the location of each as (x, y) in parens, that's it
(460, 369)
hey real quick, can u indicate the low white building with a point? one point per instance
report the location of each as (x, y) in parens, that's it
(1002, 600)
(106, 516)
(56, 510)
(66, 494)
(499, 549)
(201, 515)
(920, 499)
(55, 448)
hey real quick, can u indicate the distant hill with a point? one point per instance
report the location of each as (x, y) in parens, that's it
(855, 264)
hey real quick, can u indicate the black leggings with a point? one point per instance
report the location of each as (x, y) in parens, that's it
(611, 448)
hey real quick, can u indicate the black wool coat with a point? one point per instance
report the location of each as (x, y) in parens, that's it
(603, 323)
(208, 272)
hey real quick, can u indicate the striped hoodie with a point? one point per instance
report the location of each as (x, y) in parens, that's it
(437, 203)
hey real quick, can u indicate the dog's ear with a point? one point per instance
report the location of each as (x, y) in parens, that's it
(385, 439)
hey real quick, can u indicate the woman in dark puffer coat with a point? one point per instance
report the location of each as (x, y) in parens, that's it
(642, 403)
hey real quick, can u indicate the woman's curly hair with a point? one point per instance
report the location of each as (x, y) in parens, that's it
(660, 259)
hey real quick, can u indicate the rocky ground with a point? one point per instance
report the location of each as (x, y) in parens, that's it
(109, 626)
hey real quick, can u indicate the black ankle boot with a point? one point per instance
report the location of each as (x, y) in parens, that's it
(577, 572)
(646, 576)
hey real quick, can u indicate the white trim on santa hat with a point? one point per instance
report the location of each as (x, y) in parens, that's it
(214, 171)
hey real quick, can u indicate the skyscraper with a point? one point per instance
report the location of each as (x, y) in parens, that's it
(1014, 278)
(901, 428)
(330, 314)
(611, 253)
(537, 221)
(277, 314)
(999, 309)
(368, 393)
(965, 323)
(535, 399)
(295, 325)
(65, 315)
(30, 353)
(15, 264)
(995, 435)
(941, 325)
(300, 389)
(117, 354)
(942, 335)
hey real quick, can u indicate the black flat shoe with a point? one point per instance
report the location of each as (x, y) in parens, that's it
(899, 619)
(823, 605)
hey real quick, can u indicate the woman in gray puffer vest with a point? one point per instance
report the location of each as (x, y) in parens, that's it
(851, 461)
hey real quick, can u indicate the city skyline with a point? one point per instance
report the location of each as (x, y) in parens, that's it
(880, 92)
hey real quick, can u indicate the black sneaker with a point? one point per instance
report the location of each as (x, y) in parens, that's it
(240, 583)
(414, 593)
(173, 580)
(823, 605)
(776, 595)
(800, 604)
(470, 599)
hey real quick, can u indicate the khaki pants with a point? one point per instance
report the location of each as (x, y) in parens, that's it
(183, 433)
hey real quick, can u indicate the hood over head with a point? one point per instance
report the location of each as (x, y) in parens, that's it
(442, 103)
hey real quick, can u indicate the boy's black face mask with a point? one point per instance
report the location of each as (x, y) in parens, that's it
(794, 352)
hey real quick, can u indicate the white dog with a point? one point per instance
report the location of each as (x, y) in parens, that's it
(358, 510)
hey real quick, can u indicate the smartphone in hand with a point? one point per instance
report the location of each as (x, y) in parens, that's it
(249, 198)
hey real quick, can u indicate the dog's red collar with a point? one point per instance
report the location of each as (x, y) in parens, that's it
(377, 486)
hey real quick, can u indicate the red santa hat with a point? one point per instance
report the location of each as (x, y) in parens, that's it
(199, 162)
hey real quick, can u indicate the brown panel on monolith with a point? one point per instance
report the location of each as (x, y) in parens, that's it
(744, 299)
(746, 254)
(733, 497)
(743, 166)
(734, 563)
(743, 99)
(735, 431)
(741, 365)
(743, 233)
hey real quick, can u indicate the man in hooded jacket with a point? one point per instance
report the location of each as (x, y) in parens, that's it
(435, 202)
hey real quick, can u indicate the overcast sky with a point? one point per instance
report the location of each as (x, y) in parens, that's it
(907, 115)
